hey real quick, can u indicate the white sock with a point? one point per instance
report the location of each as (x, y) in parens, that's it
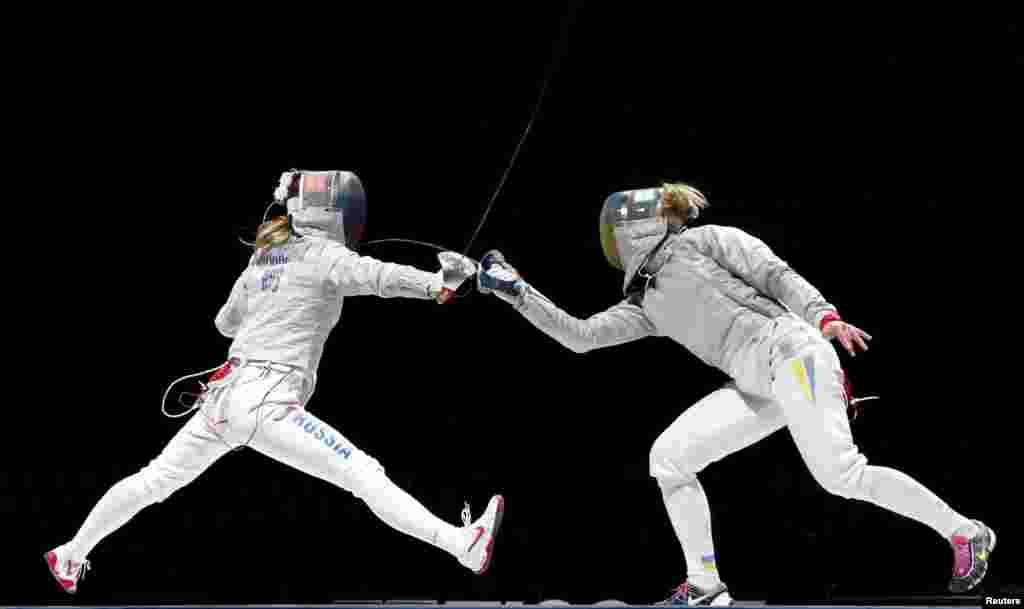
(898, 492)
(702, 579)
(117, 506)
(967, 530)
(691, 518)
(404, 513)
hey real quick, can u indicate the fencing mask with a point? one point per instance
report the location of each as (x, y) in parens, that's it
(330, 201)
(628, 218)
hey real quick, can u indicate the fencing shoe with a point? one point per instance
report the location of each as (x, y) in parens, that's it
(716, 595)
(971, 556)
(66, 571)
(480, 535)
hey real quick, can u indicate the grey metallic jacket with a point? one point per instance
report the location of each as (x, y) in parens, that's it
(289, 298)
(715, 288)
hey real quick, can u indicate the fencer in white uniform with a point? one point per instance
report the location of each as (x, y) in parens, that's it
(279, 313)
(726, 297)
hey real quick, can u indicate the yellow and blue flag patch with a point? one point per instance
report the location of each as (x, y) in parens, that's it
(804, 372)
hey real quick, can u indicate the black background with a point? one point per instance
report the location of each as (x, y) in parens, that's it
(870, 150)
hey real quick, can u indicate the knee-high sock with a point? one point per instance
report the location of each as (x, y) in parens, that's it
(691, 518)
(899, 493)
(314, 447)
(117, 506)
(399, 510)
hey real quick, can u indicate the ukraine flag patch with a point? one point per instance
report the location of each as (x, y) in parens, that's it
(804, 372)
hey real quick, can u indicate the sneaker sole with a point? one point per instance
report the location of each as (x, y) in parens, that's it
(489, 550)
(988, 554)
(708, 599)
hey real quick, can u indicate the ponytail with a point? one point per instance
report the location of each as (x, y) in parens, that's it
(681, 202)
(273, 232)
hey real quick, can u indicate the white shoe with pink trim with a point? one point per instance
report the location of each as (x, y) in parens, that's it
(67, 572)
(480, 535)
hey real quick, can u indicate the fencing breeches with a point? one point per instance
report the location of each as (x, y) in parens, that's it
(789, 377)
(263, 409)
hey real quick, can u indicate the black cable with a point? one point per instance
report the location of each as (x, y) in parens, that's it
(557, 58)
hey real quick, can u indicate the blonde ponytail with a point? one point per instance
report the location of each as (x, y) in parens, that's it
(678, 199)
(273, 232)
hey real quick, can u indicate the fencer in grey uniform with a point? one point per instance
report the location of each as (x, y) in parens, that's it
(279, 314)
(726, 297)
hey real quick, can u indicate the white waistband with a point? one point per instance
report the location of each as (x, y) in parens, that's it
(239, 361)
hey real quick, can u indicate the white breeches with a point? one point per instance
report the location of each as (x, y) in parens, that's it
(263, 409)
(790, 376)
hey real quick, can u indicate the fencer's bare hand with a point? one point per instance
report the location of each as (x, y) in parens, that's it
(849, 336)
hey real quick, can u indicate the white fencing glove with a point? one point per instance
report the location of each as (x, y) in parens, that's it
(455, 269)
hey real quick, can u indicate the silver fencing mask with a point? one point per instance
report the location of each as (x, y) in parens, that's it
(630, 218)
(626, 217)
(330, 201)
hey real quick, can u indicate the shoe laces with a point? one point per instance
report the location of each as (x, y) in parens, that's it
(680, 592)
(77, 570)
(467, 517)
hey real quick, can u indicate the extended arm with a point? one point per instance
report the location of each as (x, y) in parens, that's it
(356, 275)
(620, 324)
